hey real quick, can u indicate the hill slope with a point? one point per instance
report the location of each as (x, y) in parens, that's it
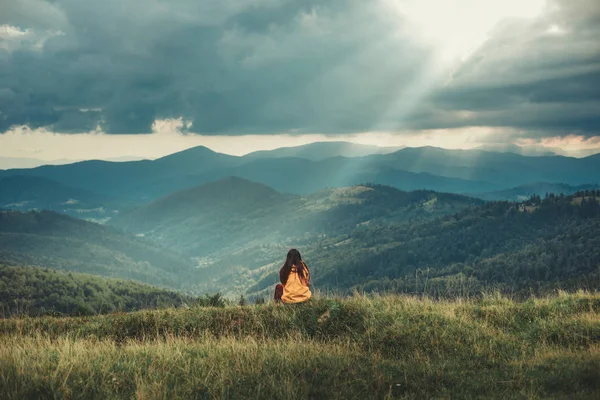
(47, 239)
(234, 225)
(211, 217)
(515, 248)
(34, 193)
(38, 291)
(233, 213)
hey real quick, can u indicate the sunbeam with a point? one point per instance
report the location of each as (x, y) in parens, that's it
(456, 28)
(452, 31)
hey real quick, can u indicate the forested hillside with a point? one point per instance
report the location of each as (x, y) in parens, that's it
(235, 213)
(48, 239)
(534, 246)
(40, 291)
(231, 237)
(524, 192)
(212, 217)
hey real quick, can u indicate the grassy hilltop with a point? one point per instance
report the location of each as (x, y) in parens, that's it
(359, 347)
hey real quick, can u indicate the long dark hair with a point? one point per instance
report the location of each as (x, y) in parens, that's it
(294, 259)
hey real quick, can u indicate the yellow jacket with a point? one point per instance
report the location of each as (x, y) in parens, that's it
(296, 290)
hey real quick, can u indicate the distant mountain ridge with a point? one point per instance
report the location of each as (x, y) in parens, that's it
(128, 179)
(501, 169)
(26, 162)
(427, 168)
(522, 150)
(31, 192)
(301, 176)
(319, 151)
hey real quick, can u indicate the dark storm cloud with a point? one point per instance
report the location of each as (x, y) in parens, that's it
(265, 66)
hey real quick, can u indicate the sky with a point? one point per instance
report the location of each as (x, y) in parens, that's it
(83, 79)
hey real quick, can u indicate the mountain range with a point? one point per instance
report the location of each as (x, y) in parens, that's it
(319, 151)
(27, 162)
(522, 150)
(199, 221)
(471, 172)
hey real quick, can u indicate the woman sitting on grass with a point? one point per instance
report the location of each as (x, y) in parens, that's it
(294, 277)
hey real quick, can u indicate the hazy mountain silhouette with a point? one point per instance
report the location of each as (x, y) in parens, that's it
(35, 193)
(25, 162)
(503, 169)
(296, 175)
(457, 171)
(322, 150)
(122, 179)
(522, 150)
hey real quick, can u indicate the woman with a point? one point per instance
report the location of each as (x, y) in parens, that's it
(294, 277)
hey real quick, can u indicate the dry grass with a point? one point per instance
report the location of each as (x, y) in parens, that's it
(360, 347)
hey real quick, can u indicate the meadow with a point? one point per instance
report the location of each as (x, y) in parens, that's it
(359, 347)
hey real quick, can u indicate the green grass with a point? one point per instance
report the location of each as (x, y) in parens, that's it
(359, 347)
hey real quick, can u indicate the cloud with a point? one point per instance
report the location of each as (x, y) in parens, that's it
(281, 66)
